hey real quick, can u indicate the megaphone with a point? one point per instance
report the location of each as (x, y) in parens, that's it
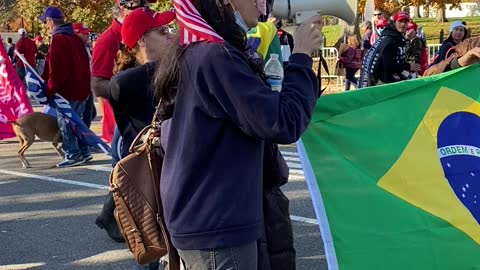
(302, 10)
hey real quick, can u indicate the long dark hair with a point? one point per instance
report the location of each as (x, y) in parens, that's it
(221, 18)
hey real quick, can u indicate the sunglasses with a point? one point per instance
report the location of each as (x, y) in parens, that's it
(161, 30)
(377, 14)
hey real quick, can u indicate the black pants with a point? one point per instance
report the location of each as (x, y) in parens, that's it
(350, 77)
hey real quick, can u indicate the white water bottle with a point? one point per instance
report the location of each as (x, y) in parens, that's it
(274, 72)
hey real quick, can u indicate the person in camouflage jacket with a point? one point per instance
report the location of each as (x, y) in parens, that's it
(414, 45)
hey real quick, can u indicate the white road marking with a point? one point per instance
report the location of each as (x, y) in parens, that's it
(98, 168)
(287, 153)
(53, 179)
(294, 165)
(22, 266)
(304, 219)
(287, 158)
(83, 184)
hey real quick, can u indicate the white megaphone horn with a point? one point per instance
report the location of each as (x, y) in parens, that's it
(301, 10)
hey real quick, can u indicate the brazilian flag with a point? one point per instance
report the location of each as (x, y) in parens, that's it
(394, 173)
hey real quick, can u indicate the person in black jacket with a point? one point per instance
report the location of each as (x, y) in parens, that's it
(385, 62)
(458, 33)
(145, 36)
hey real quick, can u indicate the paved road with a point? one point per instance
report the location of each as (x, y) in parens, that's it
(47, 214)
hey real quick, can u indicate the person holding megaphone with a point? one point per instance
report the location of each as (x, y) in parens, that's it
(225, 113)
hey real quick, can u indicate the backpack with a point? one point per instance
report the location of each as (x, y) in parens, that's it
(135, 184)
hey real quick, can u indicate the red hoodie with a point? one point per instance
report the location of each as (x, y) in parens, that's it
(28, 48)
(68, 66)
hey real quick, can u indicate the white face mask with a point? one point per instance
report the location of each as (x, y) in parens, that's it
(240, 21)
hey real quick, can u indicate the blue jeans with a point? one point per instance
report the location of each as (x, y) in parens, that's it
(40, 66)
(117, 147)
(236, 258)
(90, 112)
(73, 147)
(150, 266)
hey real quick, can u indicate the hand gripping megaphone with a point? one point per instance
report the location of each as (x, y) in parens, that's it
(302, 10)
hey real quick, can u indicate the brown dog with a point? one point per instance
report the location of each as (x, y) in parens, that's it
(40, 124)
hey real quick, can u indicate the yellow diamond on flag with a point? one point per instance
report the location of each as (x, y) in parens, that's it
(418, 176)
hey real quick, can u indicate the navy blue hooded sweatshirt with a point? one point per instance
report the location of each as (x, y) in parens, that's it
(211, 183)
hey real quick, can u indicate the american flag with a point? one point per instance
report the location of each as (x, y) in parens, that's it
(193, 28)
(36, 89)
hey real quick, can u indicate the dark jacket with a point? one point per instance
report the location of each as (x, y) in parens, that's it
(275, 247)
(11, 52)
(67, 68)
(445, 50)
(28, 48)
(352, 58)
(414, 50)
(133, 101)
(212, 173)
(385, 60)
(393, 67)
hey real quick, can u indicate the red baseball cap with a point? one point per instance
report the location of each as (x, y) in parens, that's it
(139, 21)
(401, 16)
(119, 1)
(412, 26)
(81, 28)
(381, 23)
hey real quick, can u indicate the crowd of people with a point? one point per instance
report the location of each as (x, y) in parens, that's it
(222, 121)
(393, 49)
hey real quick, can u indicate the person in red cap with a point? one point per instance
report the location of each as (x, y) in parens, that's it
(103, 61)
(385, 62)
(83, 32)
(145, 36)
(414, 47)
(381, 24)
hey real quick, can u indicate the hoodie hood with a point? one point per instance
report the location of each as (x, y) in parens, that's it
(66, 29)
(392, 32)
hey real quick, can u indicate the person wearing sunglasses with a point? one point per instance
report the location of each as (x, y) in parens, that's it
(377, 15)
(145, 35)
(103, 62)
(67, 72)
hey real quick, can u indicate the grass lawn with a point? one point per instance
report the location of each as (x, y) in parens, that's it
(431, 28)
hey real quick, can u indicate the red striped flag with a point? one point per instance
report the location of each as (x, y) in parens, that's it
(193, 28)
